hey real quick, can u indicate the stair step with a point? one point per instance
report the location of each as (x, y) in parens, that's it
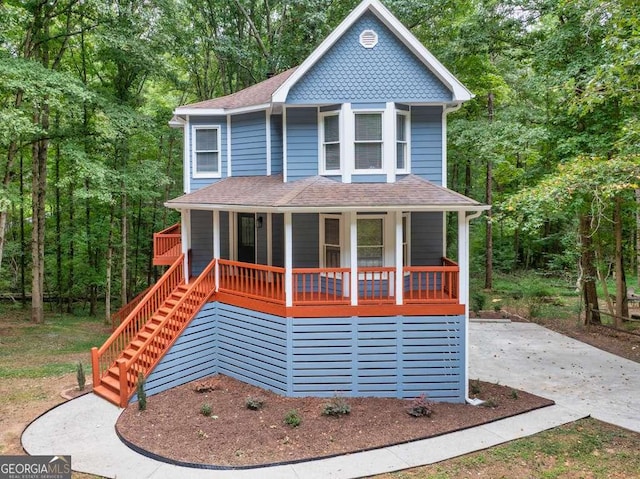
(107, 394)
(112, 383)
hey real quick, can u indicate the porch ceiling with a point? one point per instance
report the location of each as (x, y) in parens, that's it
(270, 193)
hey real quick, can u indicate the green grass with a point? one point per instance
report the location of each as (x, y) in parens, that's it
(29, 350)
(586, 448)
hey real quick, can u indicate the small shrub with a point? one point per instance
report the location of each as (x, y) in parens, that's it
(206, 409)
(478, 300)
(82, 380)
(254, 403)
(491, 403)
(420, 407)
(336, 407)
(474, 387)
(142, 395)
(293, 418)
(514, 394)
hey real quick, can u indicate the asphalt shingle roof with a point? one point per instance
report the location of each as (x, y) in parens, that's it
(320, 192)
(257, 94)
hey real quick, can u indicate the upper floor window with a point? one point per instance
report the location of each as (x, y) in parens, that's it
(206, 151)
(330, 142)
(402, 142)
(368, 141)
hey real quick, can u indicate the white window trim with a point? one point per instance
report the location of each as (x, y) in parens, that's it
(407, 217)
(407, 163)
(322, 243)
(389, 238)
(383, 141)
(322, 166)
(194, 161)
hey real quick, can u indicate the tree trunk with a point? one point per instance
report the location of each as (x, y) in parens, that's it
(39, 181)
(488, 264)
(638, 236)
(622, 305)
(587, 263)
(123, 286)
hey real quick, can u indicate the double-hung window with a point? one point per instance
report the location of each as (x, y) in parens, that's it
(402, 141)
(330, 142)
(206, 151)
(331, 233)
(368, 141)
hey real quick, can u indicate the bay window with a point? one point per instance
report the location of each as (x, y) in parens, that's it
(402, 150)
(368, 141)
(330, 142)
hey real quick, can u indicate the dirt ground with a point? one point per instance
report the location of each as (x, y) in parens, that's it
(173, 425)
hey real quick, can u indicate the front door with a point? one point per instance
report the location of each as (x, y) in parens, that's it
(246, 237)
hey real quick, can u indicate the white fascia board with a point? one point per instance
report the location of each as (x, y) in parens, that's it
(220, 111)
(459, 91)
(328, 209)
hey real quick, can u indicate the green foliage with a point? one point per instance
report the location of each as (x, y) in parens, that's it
(420, 407)
(474, 387)
(336, 407)
(478, 301)
(206, 410)
(254, 403)
(142, 395)
(80, 377)
(293, 418)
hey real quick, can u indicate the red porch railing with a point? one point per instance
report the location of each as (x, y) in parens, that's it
(255, 281)
(376, 285)
(167, 245)
(104, 357)
(318, 286)
(122, 313)
(432, 284)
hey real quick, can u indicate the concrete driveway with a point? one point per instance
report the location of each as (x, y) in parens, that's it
(575, 375)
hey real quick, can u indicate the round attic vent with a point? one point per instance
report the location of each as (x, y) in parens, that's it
(368, 38)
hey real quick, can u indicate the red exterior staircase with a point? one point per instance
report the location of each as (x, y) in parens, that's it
(142, 339)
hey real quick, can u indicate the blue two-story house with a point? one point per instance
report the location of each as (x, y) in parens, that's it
(311, 254)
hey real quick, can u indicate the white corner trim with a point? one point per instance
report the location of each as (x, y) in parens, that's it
(186, 154)
(284, 144)
(229, 152)
(268, 141)
(459, 91)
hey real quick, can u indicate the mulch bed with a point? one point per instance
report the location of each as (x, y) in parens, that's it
(174, 427)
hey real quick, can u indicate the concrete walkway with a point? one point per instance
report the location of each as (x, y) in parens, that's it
(581, 379)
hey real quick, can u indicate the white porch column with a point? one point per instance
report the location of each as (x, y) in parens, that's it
(398, 261)
(216, 245)
(288, 259)
(185, 220)
(353, 256)
(463, 260)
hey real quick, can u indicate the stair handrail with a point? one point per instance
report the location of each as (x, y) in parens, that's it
(102, 358)
(128, 373)
(119, 316)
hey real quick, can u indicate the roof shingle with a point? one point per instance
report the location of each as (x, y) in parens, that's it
(322, 193)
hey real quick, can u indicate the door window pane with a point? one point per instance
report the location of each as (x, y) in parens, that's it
(370, 242)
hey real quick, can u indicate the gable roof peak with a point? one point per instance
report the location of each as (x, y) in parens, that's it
(459, 92)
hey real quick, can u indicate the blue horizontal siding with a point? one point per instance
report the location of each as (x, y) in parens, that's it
(249, 144)
(426, 142)
(302, 143)
(370, 356)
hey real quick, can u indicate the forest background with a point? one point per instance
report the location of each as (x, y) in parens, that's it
(551, 139)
